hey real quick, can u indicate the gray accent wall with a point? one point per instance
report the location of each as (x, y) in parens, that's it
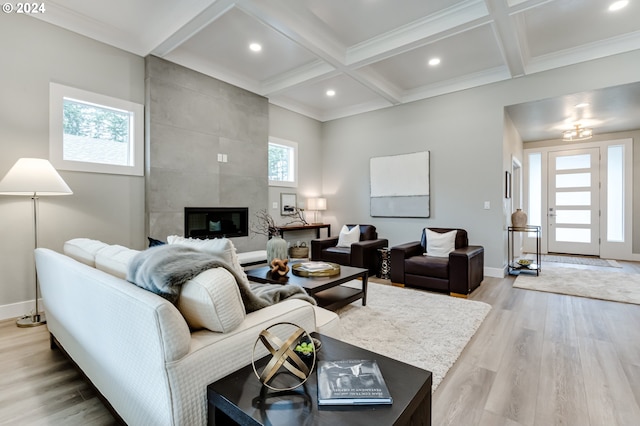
(190, 119)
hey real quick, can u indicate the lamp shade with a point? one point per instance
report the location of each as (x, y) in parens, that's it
(315, 204)
(33, 177)
(321, 204)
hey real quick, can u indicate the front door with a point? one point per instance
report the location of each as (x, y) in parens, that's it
(574, 206)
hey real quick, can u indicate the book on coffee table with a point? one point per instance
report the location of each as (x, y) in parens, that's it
(351, 382)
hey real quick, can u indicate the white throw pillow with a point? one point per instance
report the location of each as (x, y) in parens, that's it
(220, 246)
(212, 300)
(440, 245)
(348, 236)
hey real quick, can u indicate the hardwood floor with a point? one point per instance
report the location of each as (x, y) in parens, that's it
(546, 359)
(538, 359)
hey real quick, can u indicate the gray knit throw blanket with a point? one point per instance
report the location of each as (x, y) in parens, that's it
(164, 269)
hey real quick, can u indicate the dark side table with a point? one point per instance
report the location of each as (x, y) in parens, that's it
(240, 398)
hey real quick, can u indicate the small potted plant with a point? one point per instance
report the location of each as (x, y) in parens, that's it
(305, 350)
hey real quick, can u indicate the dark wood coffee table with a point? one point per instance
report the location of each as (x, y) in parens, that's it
(328, 291)
(241, 399)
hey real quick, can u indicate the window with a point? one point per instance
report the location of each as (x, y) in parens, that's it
(90, 132)
(283, 163)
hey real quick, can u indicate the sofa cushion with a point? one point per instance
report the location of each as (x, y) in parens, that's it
(115, 260)
(83, 250)
(429, 266)
(348, 236)
(339, 255)
(212, 300)
(440, 244)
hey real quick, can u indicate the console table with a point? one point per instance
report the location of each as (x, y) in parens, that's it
(316, 226)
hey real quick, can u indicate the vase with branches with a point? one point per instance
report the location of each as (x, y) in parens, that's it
(277, 247)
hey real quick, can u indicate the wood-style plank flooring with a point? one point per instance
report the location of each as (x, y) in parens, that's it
(542, 359)
(538, 359)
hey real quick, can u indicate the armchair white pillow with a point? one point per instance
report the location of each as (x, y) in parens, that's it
(440, 245)
(348, 236)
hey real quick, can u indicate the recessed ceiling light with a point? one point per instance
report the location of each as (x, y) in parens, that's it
(331, 92)
(255, 47)
(582, 105)
(618, 5)
(434, 61)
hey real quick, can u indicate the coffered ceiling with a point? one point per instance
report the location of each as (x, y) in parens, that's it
(372, 53)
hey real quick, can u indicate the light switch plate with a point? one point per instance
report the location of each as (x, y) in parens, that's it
(487, 205)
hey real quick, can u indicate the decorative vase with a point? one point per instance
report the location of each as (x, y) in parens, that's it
(519, 219)
(276, 249)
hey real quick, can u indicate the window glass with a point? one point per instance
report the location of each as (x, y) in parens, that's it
(581, 217)
(573, 180)
(95, 133)
(615, 193)
(582, 198)
(568, 162)
(283, 158)
(573, 235)
(535, 189)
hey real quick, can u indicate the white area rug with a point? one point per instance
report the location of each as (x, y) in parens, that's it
(422, 329)
(596, 284)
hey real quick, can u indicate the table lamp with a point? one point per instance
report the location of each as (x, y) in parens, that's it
(33, 177)
(315, 205)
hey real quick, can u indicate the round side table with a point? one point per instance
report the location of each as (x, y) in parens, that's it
(384, 256)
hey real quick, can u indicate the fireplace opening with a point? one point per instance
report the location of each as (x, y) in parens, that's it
(216, 222)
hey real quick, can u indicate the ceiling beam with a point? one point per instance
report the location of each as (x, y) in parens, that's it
(507, 36)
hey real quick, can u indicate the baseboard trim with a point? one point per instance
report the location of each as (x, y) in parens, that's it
(17, 310)
(494, 272)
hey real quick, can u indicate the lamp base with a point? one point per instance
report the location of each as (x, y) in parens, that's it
(31, 320)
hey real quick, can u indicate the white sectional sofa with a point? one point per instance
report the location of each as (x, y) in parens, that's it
(137, 348)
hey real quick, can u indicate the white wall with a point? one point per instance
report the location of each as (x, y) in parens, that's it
(464, 132)
(105, 207)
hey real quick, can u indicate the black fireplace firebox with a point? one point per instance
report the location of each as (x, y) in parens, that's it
(216, 222)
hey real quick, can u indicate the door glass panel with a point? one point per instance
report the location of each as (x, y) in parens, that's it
(582, 198)
(615, 193)
(573, 235)
(568, 162)
(578, 217)
(535, 189)
(574, 180)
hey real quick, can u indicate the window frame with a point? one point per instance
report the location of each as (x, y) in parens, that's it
(294, 147)
(57, 95)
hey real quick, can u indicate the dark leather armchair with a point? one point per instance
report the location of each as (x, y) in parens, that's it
(363, 254)
(459, 274)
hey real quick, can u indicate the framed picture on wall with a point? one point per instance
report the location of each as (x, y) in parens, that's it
(288, 203)
(507, 184)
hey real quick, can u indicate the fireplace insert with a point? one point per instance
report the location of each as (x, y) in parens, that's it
(216, 222)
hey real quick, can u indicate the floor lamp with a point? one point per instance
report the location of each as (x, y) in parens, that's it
(33, 177)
